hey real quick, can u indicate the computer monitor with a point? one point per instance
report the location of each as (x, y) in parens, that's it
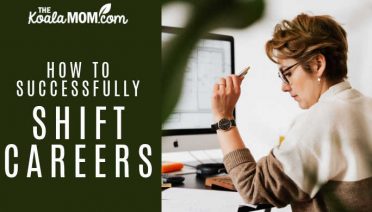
(189, 126)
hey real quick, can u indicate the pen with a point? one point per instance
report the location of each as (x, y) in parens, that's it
(244, 72)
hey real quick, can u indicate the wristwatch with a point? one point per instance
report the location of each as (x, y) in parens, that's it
(224, 124)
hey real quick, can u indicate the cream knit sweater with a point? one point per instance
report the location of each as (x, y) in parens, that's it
(324, 163)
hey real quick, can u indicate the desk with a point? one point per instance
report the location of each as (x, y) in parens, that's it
(191, 181)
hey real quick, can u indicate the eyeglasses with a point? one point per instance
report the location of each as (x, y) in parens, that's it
(282, 75)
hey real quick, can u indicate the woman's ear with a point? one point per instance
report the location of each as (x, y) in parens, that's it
(320, 65)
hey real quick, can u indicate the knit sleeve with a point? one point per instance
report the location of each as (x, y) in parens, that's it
(263, 181)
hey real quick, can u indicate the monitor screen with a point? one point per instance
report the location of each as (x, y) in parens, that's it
(211, 59)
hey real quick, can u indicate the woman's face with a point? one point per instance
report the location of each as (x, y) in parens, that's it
(303, 87)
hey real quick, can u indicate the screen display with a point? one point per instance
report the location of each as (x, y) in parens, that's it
(210, 60)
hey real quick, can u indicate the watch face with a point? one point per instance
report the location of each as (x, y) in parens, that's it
(224, 124)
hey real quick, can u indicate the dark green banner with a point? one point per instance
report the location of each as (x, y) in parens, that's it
(80, 110)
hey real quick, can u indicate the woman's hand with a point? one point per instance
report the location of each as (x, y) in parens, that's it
(225, 95)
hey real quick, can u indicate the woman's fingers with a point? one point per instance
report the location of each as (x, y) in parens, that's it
(222, 81)
(215, 88)
(229, 85)
(237, 82)
(225, 95)
(221, 84)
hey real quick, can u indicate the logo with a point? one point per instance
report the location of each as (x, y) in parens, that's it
(44, 15)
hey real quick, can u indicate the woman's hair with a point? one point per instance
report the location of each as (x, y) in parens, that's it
(305, 37)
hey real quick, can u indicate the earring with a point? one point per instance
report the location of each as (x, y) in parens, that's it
(319, 80)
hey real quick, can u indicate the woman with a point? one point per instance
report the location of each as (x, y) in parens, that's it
(323, 163)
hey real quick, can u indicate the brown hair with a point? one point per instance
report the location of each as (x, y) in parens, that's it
(305, 37)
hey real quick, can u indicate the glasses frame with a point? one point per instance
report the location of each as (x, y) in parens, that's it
(282, 71)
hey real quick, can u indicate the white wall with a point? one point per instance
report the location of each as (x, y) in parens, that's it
(263, 111)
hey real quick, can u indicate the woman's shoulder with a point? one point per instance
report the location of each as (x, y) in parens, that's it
(317, 124)
(345, 105)
(322, 112)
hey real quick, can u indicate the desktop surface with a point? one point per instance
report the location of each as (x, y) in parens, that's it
(193, 182)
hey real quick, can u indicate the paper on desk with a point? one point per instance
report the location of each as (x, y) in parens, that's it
(198, 200)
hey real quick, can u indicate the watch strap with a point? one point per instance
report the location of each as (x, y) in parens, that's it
(214, 126)
(233, 122)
